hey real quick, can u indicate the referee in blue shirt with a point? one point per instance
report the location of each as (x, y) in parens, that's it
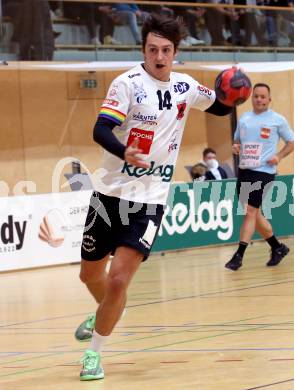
(255, 141)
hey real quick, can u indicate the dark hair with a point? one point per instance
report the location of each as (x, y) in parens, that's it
(208, 150)
(198, 170)
(262, 85)
(172, 29)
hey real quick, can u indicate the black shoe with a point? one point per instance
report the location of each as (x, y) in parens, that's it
(277, 255)
(235, 262)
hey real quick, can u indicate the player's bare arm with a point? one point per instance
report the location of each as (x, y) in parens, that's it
(287, 149)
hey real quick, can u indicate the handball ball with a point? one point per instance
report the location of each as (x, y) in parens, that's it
(232, 87)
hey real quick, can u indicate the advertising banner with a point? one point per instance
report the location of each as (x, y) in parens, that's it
(208, 213)
(40, 230)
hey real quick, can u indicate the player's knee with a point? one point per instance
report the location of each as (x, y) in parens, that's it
(117, 284)
(89, 277)
(268, 231)
(252, 212)
(84, 277)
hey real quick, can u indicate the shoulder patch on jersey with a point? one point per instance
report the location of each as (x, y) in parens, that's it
(204, 91)
(110, 102)
(139, 92)
(112, 114)
(181, 87)
(113, 91)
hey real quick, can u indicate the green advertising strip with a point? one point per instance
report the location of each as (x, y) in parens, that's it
(208, 213)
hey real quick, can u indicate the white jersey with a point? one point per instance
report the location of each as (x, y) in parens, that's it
(155, 112)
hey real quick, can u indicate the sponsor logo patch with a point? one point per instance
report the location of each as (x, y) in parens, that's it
(88, 243)
(113, 91)
(145, 138)
(110, 102)
(131, 76)
(181, 109)
(265, 133)
(181, 87)
(149, 235)
(204, 91)
(173, 145)
(139, 92)
(145, 119)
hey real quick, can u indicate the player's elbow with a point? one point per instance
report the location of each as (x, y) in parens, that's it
(219, 109)
(96, 136)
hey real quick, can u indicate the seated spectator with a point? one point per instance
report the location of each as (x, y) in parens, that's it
(34, 31)
(10, 8)
(157, 9)
(214, 171)
(93, 14)
(275, 19)
(219, 18)
(128, 14)
(248, 22)
(198, 171)
(191, 16)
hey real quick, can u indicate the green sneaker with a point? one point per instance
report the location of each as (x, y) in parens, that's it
(91, 366)
(85, 330)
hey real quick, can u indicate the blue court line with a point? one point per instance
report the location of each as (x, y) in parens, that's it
(197, 350)
(132, 340)
(5, 354)
(156, 351)
(164, 326)
(155, 302)
(211, 293)
(163, 330)
(227, 333)
(44, 319)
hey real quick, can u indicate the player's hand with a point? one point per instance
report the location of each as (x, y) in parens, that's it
(274, 160)
(236, 149)
(131, 155)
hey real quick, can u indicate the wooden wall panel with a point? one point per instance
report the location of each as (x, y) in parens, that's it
(109, 76)
(45, 117)
(84, 114)
(218, 128)
(45, 124)
(75, 91)
(194, 141)
(12, 168)
(219, 137)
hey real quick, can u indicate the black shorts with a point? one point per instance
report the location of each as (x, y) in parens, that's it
(112, 222)
(261, 180)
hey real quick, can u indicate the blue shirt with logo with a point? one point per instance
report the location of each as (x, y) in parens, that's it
(259, 135)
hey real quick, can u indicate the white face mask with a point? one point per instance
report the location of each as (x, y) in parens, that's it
(212, 163)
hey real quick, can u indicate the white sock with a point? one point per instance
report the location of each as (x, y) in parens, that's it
(97, 341)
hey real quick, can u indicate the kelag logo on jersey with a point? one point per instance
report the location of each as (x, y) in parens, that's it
(163, 171)
(181, 87)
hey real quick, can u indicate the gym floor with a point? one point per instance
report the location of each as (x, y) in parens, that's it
(190, 324)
